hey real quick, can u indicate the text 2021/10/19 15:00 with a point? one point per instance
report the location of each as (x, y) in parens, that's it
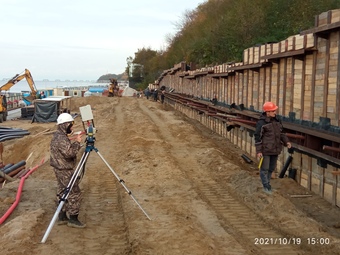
(291, 241)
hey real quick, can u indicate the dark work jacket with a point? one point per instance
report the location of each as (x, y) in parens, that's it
(269, 136)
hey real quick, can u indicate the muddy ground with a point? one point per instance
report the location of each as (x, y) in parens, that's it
(201, 196)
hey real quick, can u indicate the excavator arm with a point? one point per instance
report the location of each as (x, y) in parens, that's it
(27, 75)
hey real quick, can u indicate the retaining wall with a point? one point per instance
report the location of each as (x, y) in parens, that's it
(300, 74)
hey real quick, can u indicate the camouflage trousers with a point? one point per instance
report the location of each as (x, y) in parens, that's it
(72, 205)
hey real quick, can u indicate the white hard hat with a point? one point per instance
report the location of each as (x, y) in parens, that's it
(64, 117)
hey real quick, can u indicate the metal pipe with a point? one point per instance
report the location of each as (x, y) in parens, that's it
(247, 159)
(285, 167)
(330, 148)
(251, 122)
(295, 136)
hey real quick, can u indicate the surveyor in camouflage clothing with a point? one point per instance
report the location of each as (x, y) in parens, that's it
(63, 160)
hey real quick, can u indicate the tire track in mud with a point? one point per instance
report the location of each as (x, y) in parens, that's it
(237, 219)
(173, 229)
(102, 200)
(103, 215)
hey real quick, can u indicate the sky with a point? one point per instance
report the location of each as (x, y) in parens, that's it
(82, 39)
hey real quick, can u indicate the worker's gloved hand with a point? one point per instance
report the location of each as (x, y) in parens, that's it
(79, 137)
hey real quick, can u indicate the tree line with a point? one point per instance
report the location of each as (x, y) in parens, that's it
(218, 31)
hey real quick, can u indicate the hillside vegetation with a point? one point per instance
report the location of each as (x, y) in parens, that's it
(218, 31)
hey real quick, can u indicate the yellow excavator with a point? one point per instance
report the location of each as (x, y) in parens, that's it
(3, 101)
(113, 85)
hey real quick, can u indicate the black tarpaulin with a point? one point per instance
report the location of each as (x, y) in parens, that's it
(45, 111)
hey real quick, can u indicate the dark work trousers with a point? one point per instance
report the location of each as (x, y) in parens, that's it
(267, 168)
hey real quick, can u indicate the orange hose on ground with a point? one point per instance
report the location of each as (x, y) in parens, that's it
(17, 198)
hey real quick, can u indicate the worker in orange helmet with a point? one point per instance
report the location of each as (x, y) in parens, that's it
(269, 141)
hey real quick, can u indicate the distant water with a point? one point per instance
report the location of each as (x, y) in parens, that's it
(45, 84)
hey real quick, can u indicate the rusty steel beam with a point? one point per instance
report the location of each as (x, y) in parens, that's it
(302, 137)
(251, 122)
(313, 138)
(329, 148)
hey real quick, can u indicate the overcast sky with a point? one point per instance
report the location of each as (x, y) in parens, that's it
(82, 39)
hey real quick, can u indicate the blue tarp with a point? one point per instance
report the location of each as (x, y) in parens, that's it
(97, 90)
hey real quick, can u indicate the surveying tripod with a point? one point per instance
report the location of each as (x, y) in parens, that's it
(79, 171)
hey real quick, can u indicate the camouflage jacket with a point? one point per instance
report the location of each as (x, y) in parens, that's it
(63, 152)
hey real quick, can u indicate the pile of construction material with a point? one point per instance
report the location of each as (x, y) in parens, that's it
(11, 172)
(7, 133)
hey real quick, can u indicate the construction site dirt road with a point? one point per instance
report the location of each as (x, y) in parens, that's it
(201, 196)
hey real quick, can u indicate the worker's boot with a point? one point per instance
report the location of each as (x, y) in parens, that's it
(62, 218)
(74, 222)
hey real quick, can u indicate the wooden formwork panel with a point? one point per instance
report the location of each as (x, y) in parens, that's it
(261, 88)
(263, 51)
(250, 88)
(232, 87)
(319, 104)
(243, 136)
(315, 183)
(236, 88)
(225, 83)
(246, 56)
(234, 137)
(308, 86)
(280, 162)
(248, 143)
(328, 17)
(283, 45)
(240, 89)
(337, 199)
(282, 84)
(256, 55)
(335, 15)
(219, 127)
(290, 43)
(256, 93)
(274, 83)
(275, 48)
(269, 49)
(251, 55)
(299, 42)
(333, 76)
(245, 89)
(297, 164)
(328, 191)
(289, 86)
(298, 97)
(314, 176)
(239, 138)
(305, 171)
(268, 84)
(227, 88)
(220, 90)
(322, 19)
(304, 180)
(224, 130)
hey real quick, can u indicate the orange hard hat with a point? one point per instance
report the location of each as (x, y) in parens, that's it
(269, 106)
